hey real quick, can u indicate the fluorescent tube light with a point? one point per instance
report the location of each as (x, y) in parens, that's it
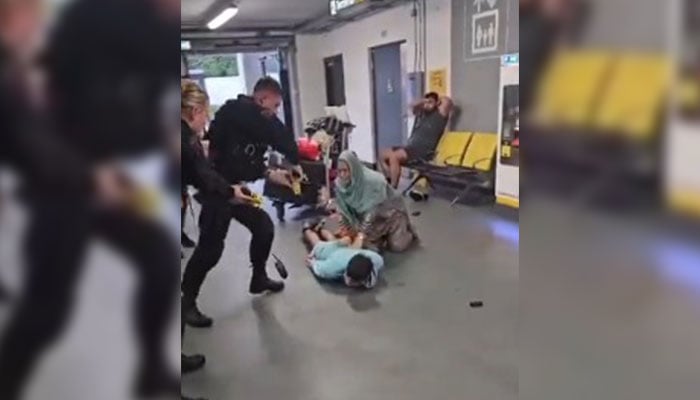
(222, 18)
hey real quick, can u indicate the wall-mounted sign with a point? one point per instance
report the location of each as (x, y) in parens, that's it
(437, 81)
(484, 27)
(340, 5)
(509, 60)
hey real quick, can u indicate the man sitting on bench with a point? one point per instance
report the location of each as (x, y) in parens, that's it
(432, 114)
(336, 259)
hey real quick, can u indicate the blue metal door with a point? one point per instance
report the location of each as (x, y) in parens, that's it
(388, 102)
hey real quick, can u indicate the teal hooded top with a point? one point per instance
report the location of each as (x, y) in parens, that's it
(366, 190)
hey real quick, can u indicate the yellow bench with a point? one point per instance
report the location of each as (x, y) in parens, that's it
(481, 152)
(474, 166)
(567, 93)
(450, 151)
(635, 96)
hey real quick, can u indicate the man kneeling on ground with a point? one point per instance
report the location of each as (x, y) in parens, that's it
(334, 259)
(432, 114)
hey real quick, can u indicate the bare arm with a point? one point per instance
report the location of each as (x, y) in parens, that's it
(359, 241)
(365, 226)
(417, 106)
(445, 107)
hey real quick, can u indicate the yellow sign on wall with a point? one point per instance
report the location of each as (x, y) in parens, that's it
(505, 151)
(437, 81)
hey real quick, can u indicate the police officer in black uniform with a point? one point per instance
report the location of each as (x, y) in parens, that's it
(197, 172)
(242, 132)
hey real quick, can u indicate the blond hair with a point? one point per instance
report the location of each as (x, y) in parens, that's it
(192, 96)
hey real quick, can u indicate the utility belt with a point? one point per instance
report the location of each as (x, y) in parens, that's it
(241, 169)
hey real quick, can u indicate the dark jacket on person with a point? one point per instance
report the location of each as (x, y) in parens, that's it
(29, 144)
(196, 170)
(241, 134)
(538, 35)
(111, 71)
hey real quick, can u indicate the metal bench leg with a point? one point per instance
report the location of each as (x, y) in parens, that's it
(461, 195)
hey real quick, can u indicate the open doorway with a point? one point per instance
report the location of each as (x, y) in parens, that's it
(224, 76)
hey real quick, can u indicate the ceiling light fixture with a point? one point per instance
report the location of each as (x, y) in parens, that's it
(223, 17)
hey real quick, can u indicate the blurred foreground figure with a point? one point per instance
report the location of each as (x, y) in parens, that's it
(545, 25)
(107, 67)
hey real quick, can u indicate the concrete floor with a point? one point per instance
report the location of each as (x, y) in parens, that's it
(414, 337)
(604, 308)
(609, 307)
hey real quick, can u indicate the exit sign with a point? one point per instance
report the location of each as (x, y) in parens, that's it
(509, 60)
(340, 5)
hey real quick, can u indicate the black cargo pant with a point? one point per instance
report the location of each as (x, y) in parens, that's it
(214, 222)
(57, 238)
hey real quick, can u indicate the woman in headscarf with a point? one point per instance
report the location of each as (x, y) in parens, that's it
(372, 211)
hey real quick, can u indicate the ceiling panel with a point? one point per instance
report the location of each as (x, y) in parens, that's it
(254, 13)
(193, 10)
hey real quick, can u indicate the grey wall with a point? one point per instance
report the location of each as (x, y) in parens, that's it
(613, 24)
(475, 76)
(628, 24)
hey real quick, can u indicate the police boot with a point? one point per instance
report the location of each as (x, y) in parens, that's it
(191, 363)
(261, 283)
(193, 317)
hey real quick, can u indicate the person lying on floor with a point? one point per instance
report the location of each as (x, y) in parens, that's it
(335, 259)
(373, 213)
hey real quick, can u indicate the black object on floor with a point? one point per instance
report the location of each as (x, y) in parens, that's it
(191, 363)
(280, 267)
(476, 304)
(416, 213)
(418, 196)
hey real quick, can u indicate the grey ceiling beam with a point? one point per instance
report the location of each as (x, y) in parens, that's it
(326, 22)
(234, 34)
